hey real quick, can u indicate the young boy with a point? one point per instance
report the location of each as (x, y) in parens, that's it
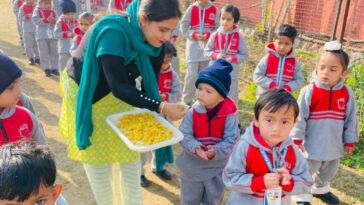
(15, 122)
(210, 130)
(30, 44)
(170, 91)
(265, 159)
(63, 31)
(85, 20)
(279, 68)
(44, 17)
(327, 123)
(198, 22)
(28, 174)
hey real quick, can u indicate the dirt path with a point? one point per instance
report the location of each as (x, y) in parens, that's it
(44, 93)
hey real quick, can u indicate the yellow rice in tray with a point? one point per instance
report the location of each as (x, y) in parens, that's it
(143, 129)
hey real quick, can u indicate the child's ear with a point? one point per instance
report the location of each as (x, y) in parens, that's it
(255, 120)
(345, 74)
(57, 189)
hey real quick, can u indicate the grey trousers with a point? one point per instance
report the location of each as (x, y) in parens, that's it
(48, 54)
(175, 64)
(322, 173)
(189, 90)
(209, 192)
(30, 45)
(63, 59)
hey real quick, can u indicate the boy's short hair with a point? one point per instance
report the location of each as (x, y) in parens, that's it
(233, 10)
(287, 30)
(273, 100)
(169, 49)
(24, 166)
(86, 16)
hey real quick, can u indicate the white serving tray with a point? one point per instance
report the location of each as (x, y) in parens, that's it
(112, 120)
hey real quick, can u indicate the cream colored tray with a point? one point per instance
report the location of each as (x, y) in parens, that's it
(112, 121)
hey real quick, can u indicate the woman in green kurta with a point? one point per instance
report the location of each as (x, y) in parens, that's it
(101, 81)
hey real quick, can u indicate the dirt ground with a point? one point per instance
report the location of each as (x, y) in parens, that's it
(44, 93)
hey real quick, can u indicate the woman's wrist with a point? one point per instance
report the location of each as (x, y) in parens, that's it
(161, 107)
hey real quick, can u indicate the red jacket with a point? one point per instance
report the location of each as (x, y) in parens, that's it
(121, 4)
(17, 126)
(165, 83)
(209, 19)
(28, 10)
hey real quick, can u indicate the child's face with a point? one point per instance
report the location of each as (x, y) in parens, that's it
(45, 196)
(275, 127)
(329, 69)
(10, 96)
(47, 4)
(166, 62)
(283, 45)
(227, 21)
(207, 95)
(29, 2)
(69, 16)
(203, 2)
(84, 24)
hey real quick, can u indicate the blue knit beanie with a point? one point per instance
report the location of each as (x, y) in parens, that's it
(217, 75)
(67, 6)
(9, 72)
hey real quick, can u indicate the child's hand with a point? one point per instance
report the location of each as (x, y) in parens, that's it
(163, 96)
(348, 151)
(220, 55)
(272, 180)
(201, 153)
(70, 35)
(301, 148)
(51, 19)
(204, 37)
(210, 152)
(286, 177)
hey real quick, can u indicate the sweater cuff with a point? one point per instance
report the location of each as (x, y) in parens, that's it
(207, 35)
(234, 59)
(287, 88)
(289, 187)
(65, 34)
(214, 55)
(257, 184)
(194, 35)
(45, 21)
(297, 141)
(273, 85)
(351, 144)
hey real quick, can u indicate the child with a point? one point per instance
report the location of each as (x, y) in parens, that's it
(229, 44)
(45, 18)
(85, 20)
(16, 6)
(170, 91)
(15, 122)
(30, 45)
(28, 174)
(210, 130)
(279, 68)
(265, 158)
(63, 31)
(327, 121)
(198, 22)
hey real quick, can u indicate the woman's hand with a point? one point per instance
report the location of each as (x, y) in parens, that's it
(173, 111)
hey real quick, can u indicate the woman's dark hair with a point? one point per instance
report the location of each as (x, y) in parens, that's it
(287, 30)
(343, 56)
(233, 10)
(24, 167)
(160, 10)
(273, 100)
(169, 49)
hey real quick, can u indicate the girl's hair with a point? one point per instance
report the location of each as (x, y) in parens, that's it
(160, 10)
(24, 166)
(273, 100)
(233, 10)
(86, 16)
(287, 30)
(169, 49)
(342, 55)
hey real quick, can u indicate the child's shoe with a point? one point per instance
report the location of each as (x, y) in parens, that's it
(303, 203)
(166, 175)
(328, 198)
(144, 182)
(37, 61)
(55, 72)
(31, 61)
(47, 72)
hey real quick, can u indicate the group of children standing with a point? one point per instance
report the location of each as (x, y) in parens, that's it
(291, 148)
(42, 27)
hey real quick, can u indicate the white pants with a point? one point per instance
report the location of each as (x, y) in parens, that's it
(101, 181)
(189, 89)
